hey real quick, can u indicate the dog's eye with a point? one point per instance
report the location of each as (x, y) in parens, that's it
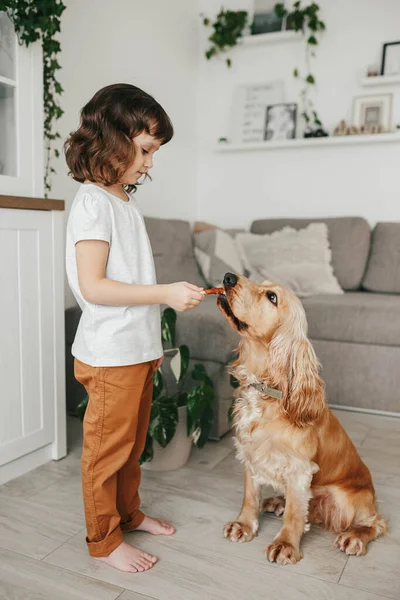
(272, 297)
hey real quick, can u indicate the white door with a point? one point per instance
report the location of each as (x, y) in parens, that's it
(27, 382)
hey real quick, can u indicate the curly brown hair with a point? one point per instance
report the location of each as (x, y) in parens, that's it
(101, 149)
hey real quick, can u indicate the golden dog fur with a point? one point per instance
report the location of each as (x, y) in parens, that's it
(294, 444)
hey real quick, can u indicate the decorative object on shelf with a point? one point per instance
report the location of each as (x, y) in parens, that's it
(305, 19)
(41, 21)
(280, 122)
(391, 59)
(372, 71)
(228, 29)
(265, 19)
(249, 110)
(373, 111)
(368, 129)
(316, 133)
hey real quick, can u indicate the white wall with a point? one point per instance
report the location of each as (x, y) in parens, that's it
(235, 188)
(152, 45)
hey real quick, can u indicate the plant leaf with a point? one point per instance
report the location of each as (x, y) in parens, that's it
(310, 79)
(296, 73)
(163, 420)
(168, 326)
(185, 357)
(81, 408)
(158, 384)
(280, 10)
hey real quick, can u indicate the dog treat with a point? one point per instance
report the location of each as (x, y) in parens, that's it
(214, 290)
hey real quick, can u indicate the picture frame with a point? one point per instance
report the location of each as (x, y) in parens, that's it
(250, 102)
(280, 122)
(265, 19)
(391, 59)
(373, 111)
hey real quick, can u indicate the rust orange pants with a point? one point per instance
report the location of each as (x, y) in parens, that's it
(114, 435)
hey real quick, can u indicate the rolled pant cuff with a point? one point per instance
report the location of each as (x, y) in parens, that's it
(106, 546)
(133, 523)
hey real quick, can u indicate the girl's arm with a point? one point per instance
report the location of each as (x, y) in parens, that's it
(91, 258)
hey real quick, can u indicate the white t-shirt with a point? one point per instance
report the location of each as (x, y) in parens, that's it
(110, 336)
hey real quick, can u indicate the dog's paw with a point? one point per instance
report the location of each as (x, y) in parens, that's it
(349, 543)
(239, 532)
(274, 505)
(283, 553)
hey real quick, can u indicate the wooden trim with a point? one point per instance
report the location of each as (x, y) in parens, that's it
(31, 203)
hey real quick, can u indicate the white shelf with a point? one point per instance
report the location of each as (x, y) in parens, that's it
(270, 38)
(381, 80)
(346, 140)
(8, 81)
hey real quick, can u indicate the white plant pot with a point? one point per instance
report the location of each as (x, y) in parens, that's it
(177, 453)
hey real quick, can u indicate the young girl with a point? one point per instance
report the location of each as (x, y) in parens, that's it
(117, 346)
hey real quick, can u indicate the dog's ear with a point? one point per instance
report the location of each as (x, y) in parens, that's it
(305, 398)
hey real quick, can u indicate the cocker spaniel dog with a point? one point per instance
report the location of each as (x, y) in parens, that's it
(285, 434)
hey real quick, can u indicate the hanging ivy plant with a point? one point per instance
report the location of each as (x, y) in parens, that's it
(305, 19)
(33, 21)
(228, 28)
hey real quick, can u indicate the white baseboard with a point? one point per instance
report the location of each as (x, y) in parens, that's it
(368, 411)
(26, 463)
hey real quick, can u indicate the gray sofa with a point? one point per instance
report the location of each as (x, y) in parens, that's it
(356, 335)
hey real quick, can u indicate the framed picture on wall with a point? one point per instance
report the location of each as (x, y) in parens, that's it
(280, 122)
(391, 59)
(250, 104)
(373, 111)
(265, 19)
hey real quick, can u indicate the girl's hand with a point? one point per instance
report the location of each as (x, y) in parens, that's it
(183, 296)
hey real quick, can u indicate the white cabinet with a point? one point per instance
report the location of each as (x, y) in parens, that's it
(32, 376)
(21, 114)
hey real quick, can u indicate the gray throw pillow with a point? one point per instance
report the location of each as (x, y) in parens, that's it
(383, 270)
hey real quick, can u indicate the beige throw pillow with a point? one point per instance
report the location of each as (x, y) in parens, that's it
(299, 259)
(216, 253)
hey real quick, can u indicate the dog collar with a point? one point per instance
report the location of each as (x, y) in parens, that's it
(266, 390)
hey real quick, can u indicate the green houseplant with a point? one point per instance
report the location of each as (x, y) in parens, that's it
(306, 20)
(41, 20)
(188, 388)
(229, 26)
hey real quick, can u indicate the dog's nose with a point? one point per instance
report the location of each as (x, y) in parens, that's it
(230, 279)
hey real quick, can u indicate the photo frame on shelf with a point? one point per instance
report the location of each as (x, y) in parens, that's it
(391, 59)
(250, 104)
(280, 122)
(373, 111)
(265, 19)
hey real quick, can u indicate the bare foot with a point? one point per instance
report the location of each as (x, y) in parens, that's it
(127, 558)
(155, 526)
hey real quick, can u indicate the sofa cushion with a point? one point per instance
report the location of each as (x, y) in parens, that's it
(216, 253)
(207, 334)
(383, 270)
(349, 239)
(359, 317)
(172, 244)
(299, 259)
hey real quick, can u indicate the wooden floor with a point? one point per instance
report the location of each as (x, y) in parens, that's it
(42, 537)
